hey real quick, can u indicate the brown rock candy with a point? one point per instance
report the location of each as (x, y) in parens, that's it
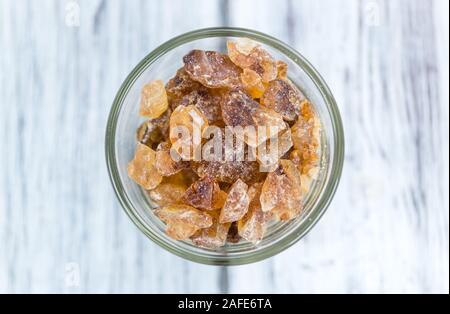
(203, 194)
(153, 100)
(248, 54)
(282, 97)
(207, 101)
(306, 137)
(228, 171)
(236, 204)
(178, 230)
(252, 83)
(282, 69)
(167, 193)
(185, 178)
(191, 120)
(142, 168)
(154, 131)
(214, 236)
(212, 69)
(282, 144)
(219, 199)
(179, 86)
(253, 225)
(165, 164)
(281, 193)
(176, 213)
(240, 110)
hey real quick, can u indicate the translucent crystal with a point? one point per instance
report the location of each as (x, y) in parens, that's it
(306, 138)
(203, 194)
(165, 164)
(238, 109)
(236, 204)
(281, 192)
(192, 123)
(153, 100)
(142, 168)
(178, 230)
(214, 236)
(252, 226)
(282, 97)
(212, 69)
(176, 213)
(185, 178)
(269, 123)
(282, 69)
(167, 193)
(180, 86)
(207, 101)
(270, 152)
(154, 131)
(219, 199)
(250, 55)
(228, 171)
(252, 82)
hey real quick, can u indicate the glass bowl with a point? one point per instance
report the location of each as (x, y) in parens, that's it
(162, 64)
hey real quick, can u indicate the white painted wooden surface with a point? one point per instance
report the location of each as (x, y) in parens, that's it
(61, 228)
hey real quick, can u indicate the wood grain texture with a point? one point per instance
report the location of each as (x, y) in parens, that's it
(387, 65)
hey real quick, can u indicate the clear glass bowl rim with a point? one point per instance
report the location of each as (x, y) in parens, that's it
(337, 133)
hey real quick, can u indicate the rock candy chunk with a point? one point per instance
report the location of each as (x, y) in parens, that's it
(270, 152)
(233, 234)
(282, 69)
(238, 109)
(248, 54)
(219, 199)
(165, 164)
(179, 86)
(252, 82)
(232, 164)
(307, 177)
(167, 193)
(207, 101)
(281, 192)
(154, 131)
(306, 138)
(282, 97)
(184, 178)
(187, 124)
(253, 225)
(214, 236)
(269, 123)
(236, 204)
(142, 168)
(178, 230)
(153, 100)
(176, 213)
(212, 69)
(203, 194)
(228, 171)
